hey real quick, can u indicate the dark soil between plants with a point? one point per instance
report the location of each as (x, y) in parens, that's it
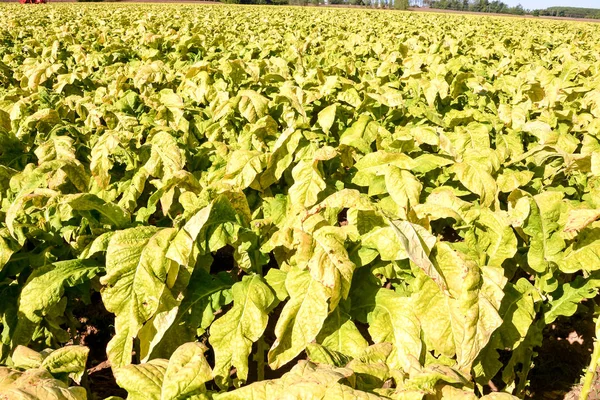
(563, 359)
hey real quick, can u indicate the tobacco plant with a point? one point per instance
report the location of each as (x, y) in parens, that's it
(279, 203)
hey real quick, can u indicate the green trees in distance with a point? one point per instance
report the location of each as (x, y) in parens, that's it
(487, 6)
(392, 4)
(500, 7)
(570, 12)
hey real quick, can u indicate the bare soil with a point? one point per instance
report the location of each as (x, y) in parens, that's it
(563, 359)
(95, 331)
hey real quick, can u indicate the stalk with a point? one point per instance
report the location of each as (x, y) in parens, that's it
(591, 371)
(260, 359)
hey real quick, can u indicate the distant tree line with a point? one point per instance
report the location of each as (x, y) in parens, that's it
(500, 7)
(570, 12)
(393, 4)
(485, 6)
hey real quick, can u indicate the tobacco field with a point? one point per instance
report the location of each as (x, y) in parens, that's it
(228, 202)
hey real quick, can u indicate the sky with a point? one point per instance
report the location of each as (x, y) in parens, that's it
(533, 4)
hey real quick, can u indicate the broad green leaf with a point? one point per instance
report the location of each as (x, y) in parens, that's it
(102, 162)
(143, 381)
(566, 299)
(542, 131)
(521, 361)
(390, 318)
(429, 162)
(433, 88)
(428, 379)
(443, 203)
(45, 286)
(181, 248)
(329, 263)
(425, 134)
(418, 251)
(340, 334)
(56, 148)
(133, 190)
(510, 180)
(281, 157)
(183, 376)
(203, 297)
(243, 167)
(460, 324)
(499, 396)
(306, 378)
(308, 183)
(518, 313)
(403, 187)
(491, 235)
(7, 247)
(361, 134)
(578, 219)
(323, 355)
(370, 376)
(167, 155)
(37, 384)
(69, 360)
(86, 202)
(384, 241)
(326, 117)
(26, 358)
(475, 178)
(252, 105)
(583, 254)
(160, 156)
(172, 114)
(232, 335)
(301, 319)
(542, 226)
(375, 164)
(136, 276)
(186, 373)
(509, 145)
(473, 137)
(276, 278)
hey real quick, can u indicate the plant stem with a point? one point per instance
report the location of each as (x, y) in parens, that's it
(591, 371)
(260, 359)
